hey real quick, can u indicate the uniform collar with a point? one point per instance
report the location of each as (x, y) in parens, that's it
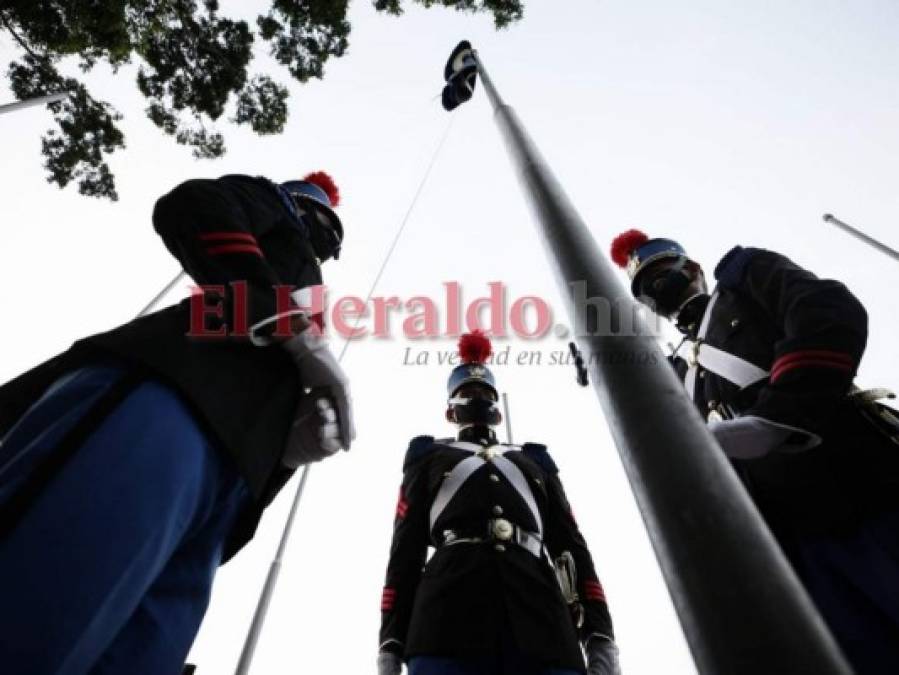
(690, 315)
(289, 204)
(480, 434)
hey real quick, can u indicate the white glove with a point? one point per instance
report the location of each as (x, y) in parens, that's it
(602, 656)
(314, 434)
(324, 420)
(751, 437)
(389, 664)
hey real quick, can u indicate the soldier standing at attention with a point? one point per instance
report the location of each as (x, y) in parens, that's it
(488, 602)
(774, 353)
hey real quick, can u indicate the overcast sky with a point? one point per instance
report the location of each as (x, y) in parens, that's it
(715, 123)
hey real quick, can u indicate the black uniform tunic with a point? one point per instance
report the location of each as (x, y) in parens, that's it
(470, 597)
(235, 228)
(809, 333)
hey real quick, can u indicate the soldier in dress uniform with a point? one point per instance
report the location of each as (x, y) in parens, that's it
(489, 601)
(773, 351)
(136, 462)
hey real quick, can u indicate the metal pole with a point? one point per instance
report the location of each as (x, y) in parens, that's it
(169, 286)
(18, 105)
(508, 418)
(268, 589)
(883, 248)
(246, 656)
(741, 607)
(249, 647)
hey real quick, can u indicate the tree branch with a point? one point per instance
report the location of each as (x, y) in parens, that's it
(18, 39)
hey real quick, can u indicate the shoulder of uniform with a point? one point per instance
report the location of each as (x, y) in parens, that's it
(418, 448)
(244, 178)
(540, 454)
(731, 269)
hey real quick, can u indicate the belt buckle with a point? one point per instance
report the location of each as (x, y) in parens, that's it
(488, 453)
(502, 529)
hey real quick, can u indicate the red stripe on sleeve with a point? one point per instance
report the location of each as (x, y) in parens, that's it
(387, 598)
(234, 248)
(402, 505)
(812, 358)
(232, 236)
(844, 357)
(593, 590)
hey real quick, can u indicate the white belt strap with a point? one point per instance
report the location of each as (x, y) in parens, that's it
(707, 317)
(463, 471)
(514, 475)
(739, 371)
(729, 366)
(690, 378)
(451, 484)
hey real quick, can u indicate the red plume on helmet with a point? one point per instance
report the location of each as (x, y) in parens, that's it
(475, 347)
(326, 183)
(625, 244)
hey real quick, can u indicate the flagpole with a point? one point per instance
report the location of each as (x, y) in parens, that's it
(40, 100)
(169, 286)
(858, 234)
(268, 589)
(741, 606)
(508, 418)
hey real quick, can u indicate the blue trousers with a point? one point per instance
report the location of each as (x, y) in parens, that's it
(507, 660)
(854, 581)
(110, 567)
(434, 665)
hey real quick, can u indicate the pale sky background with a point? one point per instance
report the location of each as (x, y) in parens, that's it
(712, 122)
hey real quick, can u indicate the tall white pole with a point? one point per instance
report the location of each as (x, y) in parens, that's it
(169, 286)
(40, 100)
(249, 647)
(858, 234)
(508, 418)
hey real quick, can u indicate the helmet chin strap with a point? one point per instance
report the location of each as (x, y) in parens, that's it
(684, 304)
(474, 412)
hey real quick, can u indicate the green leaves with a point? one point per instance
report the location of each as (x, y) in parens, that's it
(193, 66)
(193, 63)
(505, 12)
(303, 35)
(86, 128)
(263, 105)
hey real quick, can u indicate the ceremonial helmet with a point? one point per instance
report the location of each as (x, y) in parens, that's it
(316, 196)
(635, 252)
(474, 350)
